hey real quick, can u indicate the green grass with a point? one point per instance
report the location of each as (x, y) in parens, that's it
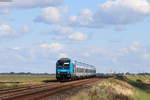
(142, 86)
(144, 78)
(10, 81)
(141, 95)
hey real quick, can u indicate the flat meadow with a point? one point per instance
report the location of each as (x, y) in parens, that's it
(11, 81)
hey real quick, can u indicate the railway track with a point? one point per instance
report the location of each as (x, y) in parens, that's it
(42, 91)
(18, 89)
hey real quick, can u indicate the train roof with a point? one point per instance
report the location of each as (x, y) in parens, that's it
(87, 65)
(81, 63)
(64, 59)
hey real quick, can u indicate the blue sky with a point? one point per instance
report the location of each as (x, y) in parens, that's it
(113, 35)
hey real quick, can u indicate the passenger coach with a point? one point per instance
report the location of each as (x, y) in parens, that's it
(66, 69)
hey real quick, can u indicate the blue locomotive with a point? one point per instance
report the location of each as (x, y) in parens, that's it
(66, 69)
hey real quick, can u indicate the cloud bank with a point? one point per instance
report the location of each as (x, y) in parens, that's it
(113, 12)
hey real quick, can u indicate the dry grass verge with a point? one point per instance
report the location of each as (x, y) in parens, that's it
(109, 89)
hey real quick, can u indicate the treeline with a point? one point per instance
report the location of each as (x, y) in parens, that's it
(24, 73)
(128, 73)
(107, 75)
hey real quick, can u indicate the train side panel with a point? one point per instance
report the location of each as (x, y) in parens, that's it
(84, 70)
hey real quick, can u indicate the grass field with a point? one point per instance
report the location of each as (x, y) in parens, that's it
(10, 81)
(118, 88)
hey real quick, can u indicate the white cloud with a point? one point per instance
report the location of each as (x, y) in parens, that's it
(62, 55)
(77, 36)
(50, 15)
(26, 29)
(86, 54)
(6, 31)
(102, 50)
(146, 55)
(122, 11)
(135, 46)
(113, 12)
(6, 7)
(35, 3)
(62, 30)
(84, 18)
(45, 51)
(60, 33)
(9, 32)
(16, 48)
(123, 51)
(68, 33)
(52, 46)
(115, 60)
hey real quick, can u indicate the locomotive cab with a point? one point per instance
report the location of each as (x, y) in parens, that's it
(63, 69)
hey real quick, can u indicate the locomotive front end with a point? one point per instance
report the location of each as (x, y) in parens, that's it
(63, 69)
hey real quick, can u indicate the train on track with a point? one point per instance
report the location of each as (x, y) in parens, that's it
(67, 69)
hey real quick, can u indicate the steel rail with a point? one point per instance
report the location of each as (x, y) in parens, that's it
(41, 92)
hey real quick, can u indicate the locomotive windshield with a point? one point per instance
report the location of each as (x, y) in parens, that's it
(63, 64)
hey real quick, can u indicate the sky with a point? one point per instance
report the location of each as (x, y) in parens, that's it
(112, 35)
